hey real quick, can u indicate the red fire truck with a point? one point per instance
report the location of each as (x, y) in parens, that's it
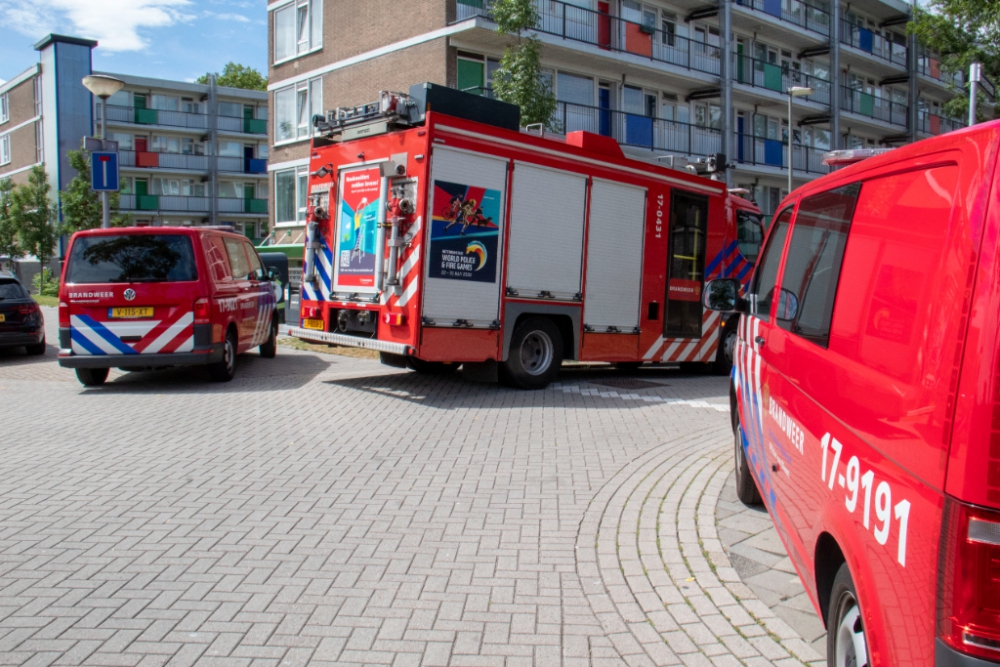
(440, 234)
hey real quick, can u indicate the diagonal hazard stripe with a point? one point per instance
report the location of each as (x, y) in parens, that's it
(105, 334)
(157, 331)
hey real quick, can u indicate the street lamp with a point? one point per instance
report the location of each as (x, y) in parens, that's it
(103, 87)
(794, 91)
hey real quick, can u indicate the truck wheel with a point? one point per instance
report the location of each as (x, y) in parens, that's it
(270, 348)
(746, 486)
(92, 377)
(846, 642)
(535, 356)
(431, 367)
(223, 371)
(727, 347)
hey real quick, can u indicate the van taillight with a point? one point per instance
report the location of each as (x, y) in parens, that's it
(63, 315)
(969, 580)
(202, 312)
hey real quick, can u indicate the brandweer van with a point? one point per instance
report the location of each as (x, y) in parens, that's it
(866, 399)
(153, 297)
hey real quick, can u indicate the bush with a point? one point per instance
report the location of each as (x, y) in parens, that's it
(46, 283)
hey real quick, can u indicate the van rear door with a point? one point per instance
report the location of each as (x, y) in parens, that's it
(131, 293)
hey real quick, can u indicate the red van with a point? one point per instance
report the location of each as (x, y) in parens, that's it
(866, 399)
(153, 297)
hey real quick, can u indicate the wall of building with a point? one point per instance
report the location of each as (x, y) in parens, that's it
(23, 148)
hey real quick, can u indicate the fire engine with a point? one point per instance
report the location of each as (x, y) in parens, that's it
(440, 233)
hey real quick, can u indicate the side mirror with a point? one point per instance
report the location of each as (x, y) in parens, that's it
(788, 305)
(723, 295)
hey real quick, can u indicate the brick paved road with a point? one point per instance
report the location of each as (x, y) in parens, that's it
(321, 509)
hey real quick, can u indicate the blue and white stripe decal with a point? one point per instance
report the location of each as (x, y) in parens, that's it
(746, 375)
(92, 337)
(324, 274)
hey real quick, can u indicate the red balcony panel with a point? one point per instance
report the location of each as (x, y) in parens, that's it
(935, 125)
(145, 159)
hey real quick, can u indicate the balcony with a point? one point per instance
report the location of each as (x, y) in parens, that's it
(760, 74)
(132, 115)
(800, 14)
(869, 105)
(934, 124)
(639, 131)
(236, 205)
(611, 33)
(242, 125)
(763, 152)
(930, 66)
(254, 126)
(876, 45)
(151, 160)
(191, 204)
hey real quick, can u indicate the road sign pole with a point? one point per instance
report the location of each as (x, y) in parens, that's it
(105, 203)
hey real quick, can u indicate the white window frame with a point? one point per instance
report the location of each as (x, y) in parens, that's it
(307, 23)
(311, 91)
(297, 174)
(4, 109)
(5, 157)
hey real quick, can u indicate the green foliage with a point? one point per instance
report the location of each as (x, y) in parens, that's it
(519, 78)
(238, 76)
(46, 284)
(34, 215)
(963, 32)
(81, 206)
(9, 246)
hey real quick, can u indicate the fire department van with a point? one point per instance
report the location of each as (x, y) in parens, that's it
(440, 234)
(866, 399)
(152, 297)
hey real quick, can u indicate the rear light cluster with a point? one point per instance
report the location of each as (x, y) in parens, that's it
(30, 311)
(202, 312)
(969, 580)
(63, 315)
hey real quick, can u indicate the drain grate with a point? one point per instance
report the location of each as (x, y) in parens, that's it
(628, 383)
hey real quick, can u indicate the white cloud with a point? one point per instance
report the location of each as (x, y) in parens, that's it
(239, 18)
(116, 24)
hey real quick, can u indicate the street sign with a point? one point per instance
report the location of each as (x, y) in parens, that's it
(104, 171)
(93, 145)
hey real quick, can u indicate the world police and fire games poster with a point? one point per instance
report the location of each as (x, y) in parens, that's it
(465, 232)
(358, 228)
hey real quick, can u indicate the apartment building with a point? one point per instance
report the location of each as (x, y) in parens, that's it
(190, 154)
(655, 75)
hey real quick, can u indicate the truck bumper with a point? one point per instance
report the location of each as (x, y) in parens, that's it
(197, 358)
(946, 656)
(311, 336)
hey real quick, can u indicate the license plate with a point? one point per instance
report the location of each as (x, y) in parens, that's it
(313, 324)
(3, 318)
(130, 313)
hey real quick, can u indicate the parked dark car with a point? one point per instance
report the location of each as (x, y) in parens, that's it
(21, 320)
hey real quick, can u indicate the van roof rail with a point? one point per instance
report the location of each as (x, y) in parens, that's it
(846, 157)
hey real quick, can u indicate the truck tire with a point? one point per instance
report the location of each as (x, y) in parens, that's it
(746, 486)
(535, 355)
(270, 348)
(727, 346)
(431, 367)
(223, 371)
(92, 377)
(846, 641)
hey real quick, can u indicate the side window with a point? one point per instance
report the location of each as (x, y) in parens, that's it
(256, 268)
(815, 255)
(749, 234)
(762, 290)
(237, 259)
(215, 257)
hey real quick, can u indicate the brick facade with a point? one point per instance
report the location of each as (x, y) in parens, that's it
(23, 146)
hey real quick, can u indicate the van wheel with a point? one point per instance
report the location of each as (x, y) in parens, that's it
(535, 356)
(36, 350)
(92, 377)
(269, 349)
(431, 367)
(727, 347)
(223, 371)
(846, 642)
(746, 486)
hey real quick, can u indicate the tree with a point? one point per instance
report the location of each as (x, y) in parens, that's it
(34, 215)
(81, 206)
(519, 79)
(9, 246)
(237, 76)
(963, 32)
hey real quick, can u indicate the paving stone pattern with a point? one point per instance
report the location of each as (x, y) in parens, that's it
(327, 510)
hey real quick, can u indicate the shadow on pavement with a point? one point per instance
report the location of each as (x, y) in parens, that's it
(17, 356)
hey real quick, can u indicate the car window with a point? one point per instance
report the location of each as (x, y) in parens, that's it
(237, 259)
(814, 258)
(761, 292)
(256, 268)
(137, 258)
(10, 289)
(215, 257)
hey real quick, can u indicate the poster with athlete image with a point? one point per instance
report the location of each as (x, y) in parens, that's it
(357, 228)
(465, 233)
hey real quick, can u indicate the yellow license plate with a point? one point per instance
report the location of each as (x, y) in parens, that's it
(313, 324)
(131, 313)
(3, 318)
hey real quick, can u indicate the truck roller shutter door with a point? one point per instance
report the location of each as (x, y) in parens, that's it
(614, 256)
(463, 256)
(546, 232)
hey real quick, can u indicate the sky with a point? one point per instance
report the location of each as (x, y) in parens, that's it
(164, 39)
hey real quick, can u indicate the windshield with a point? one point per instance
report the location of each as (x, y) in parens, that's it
(12, 290)
(137, 258)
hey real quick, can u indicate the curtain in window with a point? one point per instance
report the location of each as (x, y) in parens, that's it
(284, 33)
(284, 129)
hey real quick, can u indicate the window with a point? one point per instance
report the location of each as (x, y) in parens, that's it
(237, 259)
(121, 99)
(164, 103)
(296, 105)
(191, 147)
(749, 234)
(812, 270)
(256, 269)
(215, 256)
(124, 140)
(764, 280)
(291, 192)
(141, 258)
(669, 27)
(178, 187)
(298, 28)
(4, 109)
(188, 105)
(230, 149)
(5, 149)
(160, 144)
(231, 109)
(575, 89)
(302, 195)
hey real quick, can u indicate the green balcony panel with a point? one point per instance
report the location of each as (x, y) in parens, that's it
(478, 4)
(866, 105)
(255, 206)
(147, 202)
(254, 126)
(146, 117)
(772, 78)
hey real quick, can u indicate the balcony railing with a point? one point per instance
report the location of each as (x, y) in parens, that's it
(153, 160)
(800, 13)
(869, 105)
(760, 74)
(929, 65)
(640, 131)
(774, 153)
(935, 124)
(132, 115)
(235, 205)
(191, 204)
(869, 42)
(611, 33)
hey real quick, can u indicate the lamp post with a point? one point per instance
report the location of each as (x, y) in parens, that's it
(103, 87)
(794, 91)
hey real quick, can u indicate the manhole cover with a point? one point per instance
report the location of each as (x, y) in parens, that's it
(628, 383)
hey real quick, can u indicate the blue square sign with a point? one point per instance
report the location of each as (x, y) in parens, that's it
(104, 171)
